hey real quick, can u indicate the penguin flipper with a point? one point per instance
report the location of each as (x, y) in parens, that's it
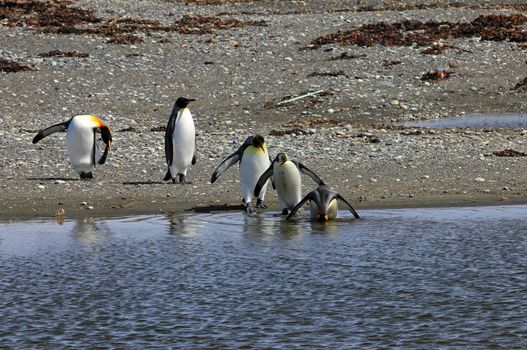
(226, 164)
(263, 179)
(309, 196)
(107, 139)
(309, 173)
(195, 151)
(169, 147)
(349, 205)
(61, 127)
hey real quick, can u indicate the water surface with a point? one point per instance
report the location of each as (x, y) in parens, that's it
(412, 278)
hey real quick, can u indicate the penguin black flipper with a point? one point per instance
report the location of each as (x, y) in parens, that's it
(349, 205)
(61, 127)
(263, 179)
(169, 147)
(226, 164)
(231, 160)
(309, 196)
(106, 136)
(309, 172)
(193, 162)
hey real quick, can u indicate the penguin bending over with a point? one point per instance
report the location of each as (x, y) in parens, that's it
(323, 201)
(81, 144)
(286, 176)
(180, 142)
(254, 160)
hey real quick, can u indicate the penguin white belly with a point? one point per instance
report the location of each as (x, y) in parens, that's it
(184, 143)
(332, 212)
(288, 184)
(80, 143)
(253, 164)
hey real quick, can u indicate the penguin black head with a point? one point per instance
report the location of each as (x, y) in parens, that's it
(182, 102)
(281, 158)
(258, 141)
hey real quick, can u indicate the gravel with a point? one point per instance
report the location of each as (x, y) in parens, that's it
(238, 76)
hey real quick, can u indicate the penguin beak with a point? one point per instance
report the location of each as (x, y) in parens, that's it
(324, 218)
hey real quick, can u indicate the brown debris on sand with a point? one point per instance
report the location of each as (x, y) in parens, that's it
(12, 66)
(509, 153)
(437, 49)
(61, 18)
(43, 13)
(520, 85)
(437, 74)
(327, 74)
(410, 32)
(208, 24)
(59, 53)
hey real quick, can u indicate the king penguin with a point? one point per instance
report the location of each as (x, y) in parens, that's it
(180, 142)
(81, 137)
(254, 160)
(323, 202)
(287, 180)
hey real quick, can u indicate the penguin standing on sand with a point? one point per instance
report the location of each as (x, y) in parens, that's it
(81, 137)
(254, 160)
(323, 201)
(286, 176)
(180, 142)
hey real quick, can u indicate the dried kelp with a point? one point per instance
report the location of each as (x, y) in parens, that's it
(413, 32)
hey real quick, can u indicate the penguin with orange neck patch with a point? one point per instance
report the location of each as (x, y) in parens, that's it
(323, 204)
(254, 160)
(81, 142)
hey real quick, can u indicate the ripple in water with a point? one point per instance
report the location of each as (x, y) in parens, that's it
(422, 278)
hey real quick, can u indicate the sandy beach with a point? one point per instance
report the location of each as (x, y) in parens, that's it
(373, 65)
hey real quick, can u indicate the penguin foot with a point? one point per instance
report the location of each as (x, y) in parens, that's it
(249, 209)
(260, 204)
(285, 211)
(183, 180)
(86, 176)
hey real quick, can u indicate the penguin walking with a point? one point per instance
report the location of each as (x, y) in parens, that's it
(254, 160)
(287, 180)
(180, 142)
(324, 207)
(81, 142)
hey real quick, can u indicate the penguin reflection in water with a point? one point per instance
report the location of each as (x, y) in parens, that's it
(180, 142)
(323, 202)
(254, 160)
(81, 142)
(286, 177)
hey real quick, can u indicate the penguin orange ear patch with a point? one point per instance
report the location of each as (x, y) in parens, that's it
(96, 121)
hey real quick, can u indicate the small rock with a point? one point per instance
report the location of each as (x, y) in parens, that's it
(395, 102)
(90, 207)
(41, 187)
(59, 182)
(83, 204)
(479, 179)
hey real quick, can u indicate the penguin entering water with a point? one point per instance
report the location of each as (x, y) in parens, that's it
(180, 142)
(323, 202)
(254, 160)
(81, 137)
(286, 176)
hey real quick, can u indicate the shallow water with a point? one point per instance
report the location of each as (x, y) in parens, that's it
(412, 278)
(474, 120)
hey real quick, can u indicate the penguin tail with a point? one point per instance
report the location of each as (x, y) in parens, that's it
(168, 176)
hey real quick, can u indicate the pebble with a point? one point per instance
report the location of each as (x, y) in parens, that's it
(479, 179)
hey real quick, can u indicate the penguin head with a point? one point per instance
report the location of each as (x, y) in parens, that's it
(258, 141)
(323, 218)
(182, 102)
(281, 158)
